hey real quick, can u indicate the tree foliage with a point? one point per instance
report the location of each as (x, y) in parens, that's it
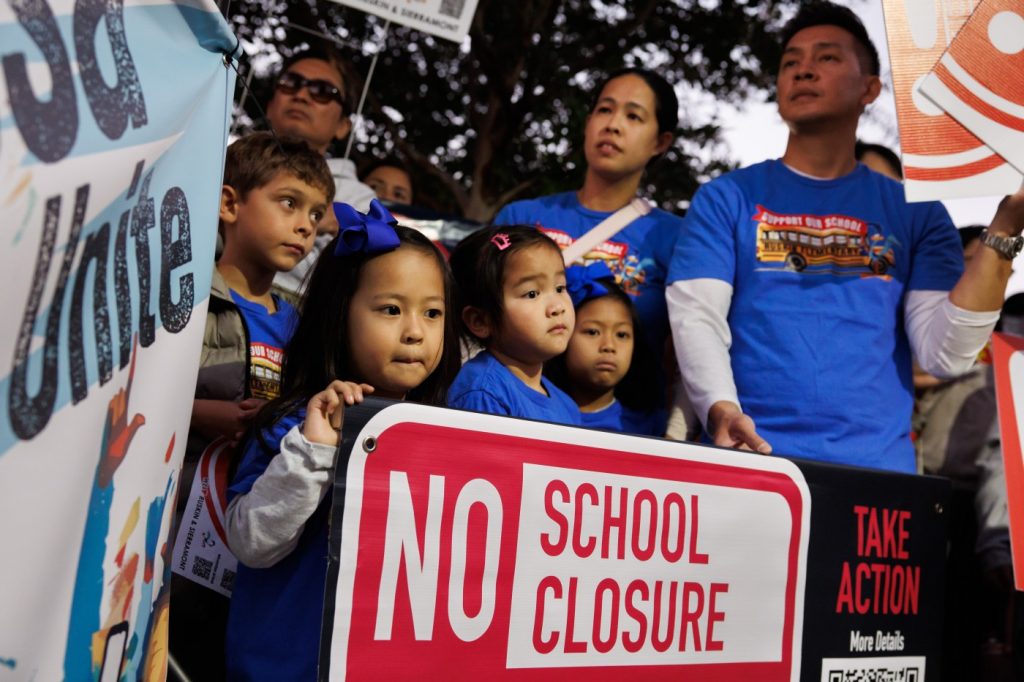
(501, 116)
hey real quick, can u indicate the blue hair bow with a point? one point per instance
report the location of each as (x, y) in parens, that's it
(582, 282)
(369, 233)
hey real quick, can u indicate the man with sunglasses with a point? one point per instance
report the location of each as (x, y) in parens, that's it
(312, 100)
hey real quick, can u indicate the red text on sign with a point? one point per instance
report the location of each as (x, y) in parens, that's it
(650, 527)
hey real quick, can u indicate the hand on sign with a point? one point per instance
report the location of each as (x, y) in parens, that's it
(730, 428)
(325, 412)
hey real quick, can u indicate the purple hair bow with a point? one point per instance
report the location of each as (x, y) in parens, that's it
(369, 233)
(582, 282)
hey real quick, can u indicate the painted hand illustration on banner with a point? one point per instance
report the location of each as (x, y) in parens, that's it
(95, 641)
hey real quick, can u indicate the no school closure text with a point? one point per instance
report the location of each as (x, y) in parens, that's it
(636, 526)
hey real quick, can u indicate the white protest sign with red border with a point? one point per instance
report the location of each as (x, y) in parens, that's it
(477, 547)
(1008, 352)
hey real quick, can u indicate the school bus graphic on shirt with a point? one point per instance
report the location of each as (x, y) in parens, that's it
(264, 370)
(629, 271)
(828, 244)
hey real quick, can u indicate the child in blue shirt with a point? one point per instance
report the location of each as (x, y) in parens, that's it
(376, 319)
(606, 368)
(511, 284)
(275, 192)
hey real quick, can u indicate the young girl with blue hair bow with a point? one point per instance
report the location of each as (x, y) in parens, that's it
(376, 318)
(607, 369)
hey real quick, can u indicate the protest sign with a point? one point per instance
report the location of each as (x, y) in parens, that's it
(201, 552)
(941, 158)
(1008, 352)
(448, 19)
(469, 546)
(979, 81)
(112, 134)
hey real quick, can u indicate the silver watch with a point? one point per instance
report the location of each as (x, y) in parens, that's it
(1008, 247)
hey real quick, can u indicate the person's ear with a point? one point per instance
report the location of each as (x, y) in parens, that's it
(664, 142)
(872, 89)
(229, 201)
(343, 129)
(478, 322)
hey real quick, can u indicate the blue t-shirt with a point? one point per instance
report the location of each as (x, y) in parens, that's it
(486, 385)
(819, 270)
(269, 333)
(618, 417)
(638, 255)
(275, 613)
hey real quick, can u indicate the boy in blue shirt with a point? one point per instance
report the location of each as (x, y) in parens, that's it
(275, 192)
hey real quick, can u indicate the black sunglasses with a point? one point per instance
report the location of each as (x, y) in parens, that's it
(320, 91)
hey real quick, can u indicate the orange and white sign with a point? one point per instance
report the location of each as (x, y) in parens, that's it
(979, 81)
(942, 159)
(1009, 370)
(523, 550)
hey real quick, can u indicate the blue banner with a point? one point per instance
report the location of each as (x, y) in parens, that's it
(113, 127)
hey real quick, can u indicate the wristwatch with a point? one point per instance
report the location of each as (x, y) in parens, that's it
(1007, 247)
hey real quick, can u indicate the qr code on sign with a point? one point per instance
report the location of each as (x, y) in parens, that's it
(875, 669)
(201, 568)
(452, 8)
(875, 675)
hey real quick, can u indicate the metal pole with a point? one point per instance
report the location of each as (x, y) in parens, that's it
(245, 96)
(366, 87)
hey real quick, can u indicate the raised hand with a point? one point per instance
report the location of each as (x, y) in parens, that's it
(325, 411)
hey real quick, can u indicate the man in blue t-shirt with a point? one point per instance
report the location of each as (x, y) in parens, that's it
(799, 288)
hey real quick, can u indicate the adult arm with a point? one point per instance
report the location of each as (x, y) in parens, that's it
(264, 525)
(698, 312)
(946, 339)
(947, 332)
(983, 284)
(699, 296)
